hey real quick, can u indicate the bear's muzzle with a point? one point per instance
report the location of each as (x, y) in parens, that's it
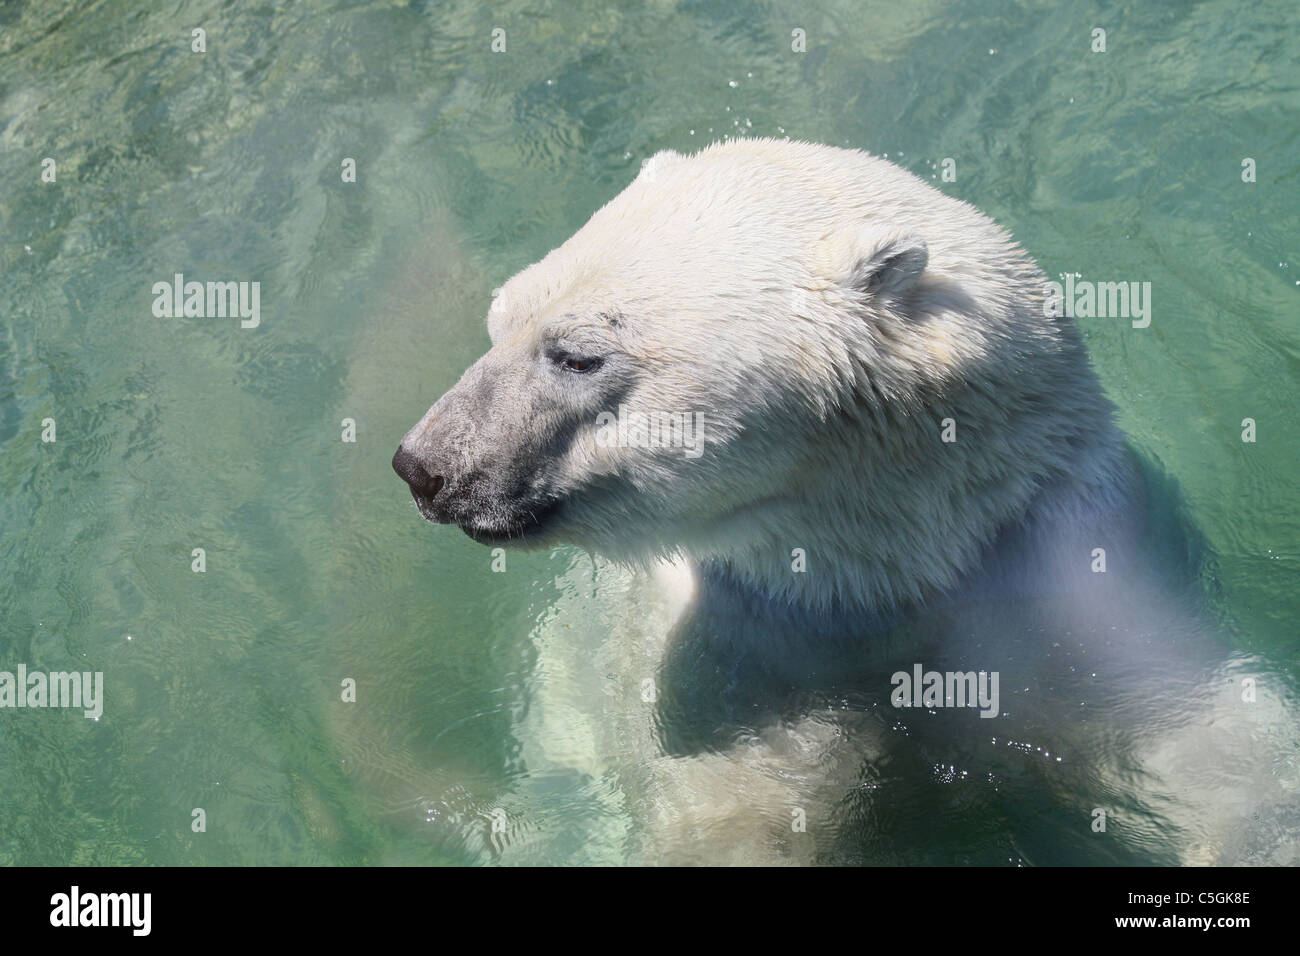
(424, 486)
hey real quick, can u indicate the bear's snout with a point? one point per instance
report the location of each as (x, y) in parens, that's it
(424, 485)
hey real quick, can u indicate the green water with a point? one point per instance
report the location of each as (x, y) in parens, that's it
(222, 688)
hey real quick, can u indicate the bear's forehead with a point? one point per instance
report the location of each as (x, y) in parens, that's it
(615, 270)
(565, 303)
(730, 230)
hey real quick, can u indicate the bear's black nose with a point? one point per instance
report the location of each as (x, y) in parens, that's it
(411, 471)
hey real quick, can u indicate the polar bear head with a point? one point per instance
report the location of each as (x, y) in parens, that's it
(758, 349)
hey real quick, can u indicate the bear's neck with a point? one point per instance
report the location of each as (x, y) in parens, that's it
(866, 543)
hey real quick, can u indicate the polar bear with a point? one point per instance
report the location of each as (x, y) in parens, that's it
(841, 402)
(822, 313)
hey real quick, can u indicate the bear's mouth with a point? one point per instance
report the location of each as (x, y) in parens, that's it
(518, 524)
(524, 524)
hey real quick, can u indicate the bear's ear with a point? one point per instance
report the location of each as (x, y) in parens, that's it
(885, 263)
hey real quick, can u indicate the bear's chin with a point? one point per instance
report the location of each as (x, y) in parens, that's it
(530, 529)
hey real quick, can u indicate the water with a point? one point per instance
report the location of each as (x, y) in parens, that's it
(223, 688)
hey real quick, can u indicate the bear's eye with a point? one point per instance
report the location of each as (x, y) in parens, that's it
(579, 363)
